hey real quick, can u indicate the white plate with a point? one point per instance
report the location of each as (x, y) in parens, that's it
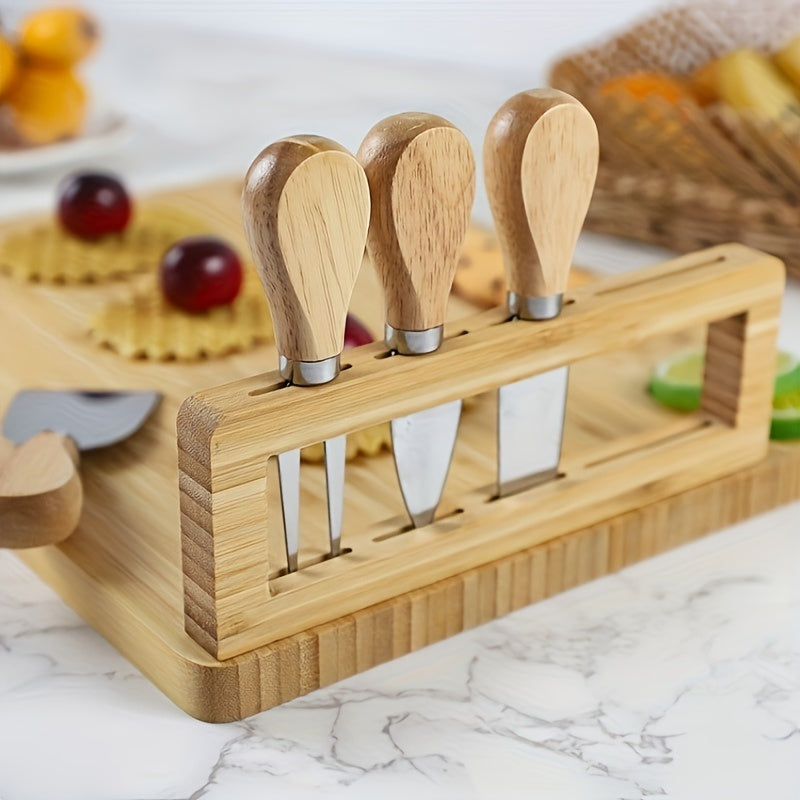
(106, 130)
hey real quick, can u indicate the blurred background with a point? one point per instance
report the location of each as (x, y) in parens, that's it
(697, 102)
(204, 84)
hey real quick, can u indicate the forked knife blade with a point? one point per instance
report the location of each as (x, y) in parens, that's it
(540, 158)
(306, 212)
(335, 451)
(289, 481)
(421, 175)
(335, 457)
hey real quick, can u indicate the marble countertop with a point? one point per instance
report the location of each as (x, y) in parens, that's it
(678, 677)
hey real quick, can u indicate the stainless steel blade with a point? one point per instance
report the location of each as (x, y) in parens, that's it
(335, 452)
(289, 479)
(530, 427)
(423, 446)
(90, 419)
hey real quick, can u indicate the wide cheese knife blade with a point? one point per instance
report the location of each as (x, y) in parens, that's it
(540, 158)
(421, 175)
(40, 490)
(306, 212)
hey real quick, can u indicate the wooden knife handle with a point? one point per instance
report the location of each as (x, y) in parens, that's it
(540, 158)
(40, 492)
(421, 175)
(306, 212)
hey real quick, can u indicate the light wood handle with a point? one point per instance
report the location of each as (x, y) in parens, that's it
(306, 212)
(540, 158)
(421, 175)
(40, 492)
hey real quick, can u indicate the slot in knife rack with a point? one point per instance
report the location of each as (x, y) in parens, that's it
(237, 600)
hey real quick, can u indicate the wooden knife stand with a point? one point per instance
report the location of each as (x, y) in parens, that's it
(273, 636)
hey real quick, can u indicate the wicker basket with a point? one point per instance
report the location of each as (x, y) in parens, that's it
(686, 176)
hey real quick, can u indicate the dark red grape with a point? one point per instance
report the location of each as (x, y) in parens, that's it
(200, 272)
(93, 204)
(355, 333)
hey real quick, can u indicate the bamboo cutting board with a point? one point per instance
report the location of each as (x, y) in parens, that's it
(122, 569)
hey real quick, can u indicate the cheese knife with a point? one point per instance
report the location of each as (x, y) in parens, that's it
(421, 175)
(306, 212)
(540, 159)
(41, 495)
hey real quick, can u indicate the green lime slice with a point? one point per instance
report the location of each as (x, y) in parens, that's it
(786, 416)
(787, 374)
(677, 381)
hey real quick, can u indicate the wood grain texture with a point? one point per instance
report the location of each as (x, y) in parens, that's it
(238, 600)
(306, 212)
(421, 175)
(122, 569)
(540, 160)
(40, 492)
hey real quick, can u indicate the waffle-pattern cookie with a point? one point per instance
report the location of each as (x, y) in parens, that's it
(368, 442)
(43, 252)
(147, 326)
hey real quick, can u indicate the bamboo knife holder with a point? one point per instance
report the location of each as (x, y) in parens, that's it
(653, 478)
(237, 598)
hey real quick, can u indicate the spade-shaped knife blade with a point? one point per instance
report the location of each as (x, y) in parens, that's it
(540, 158)
(306, 212)
(421, 175)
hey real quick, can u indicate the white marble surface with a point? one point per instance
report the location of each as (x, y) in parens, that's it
(679, 677)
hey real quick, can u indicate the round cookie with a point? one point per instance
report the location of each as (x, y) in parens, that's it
(481, 277)
(42, 252)
(145, 325)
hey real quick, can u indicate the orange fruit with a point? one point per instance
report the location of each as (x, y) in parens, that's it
(644, 85)
(58, 36)
(45, 104)
(704, 83)
(8, 64)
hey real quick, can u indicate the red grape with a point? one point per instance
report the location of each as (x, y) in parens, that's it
(200, 272)
(355, 333)
(93, 204)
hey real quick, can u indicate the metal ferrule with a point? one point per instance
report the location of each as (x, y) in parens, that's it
(414, 343)
(535, 308)
(309, 373)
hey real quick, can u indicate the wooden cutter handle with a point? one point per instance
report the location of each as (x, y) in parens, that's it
(306, 212)
(540, 158)
(40, 492)
(421, 175)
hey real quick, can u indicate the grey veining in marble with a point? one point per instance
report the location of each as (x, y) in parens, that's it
(679, 677)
